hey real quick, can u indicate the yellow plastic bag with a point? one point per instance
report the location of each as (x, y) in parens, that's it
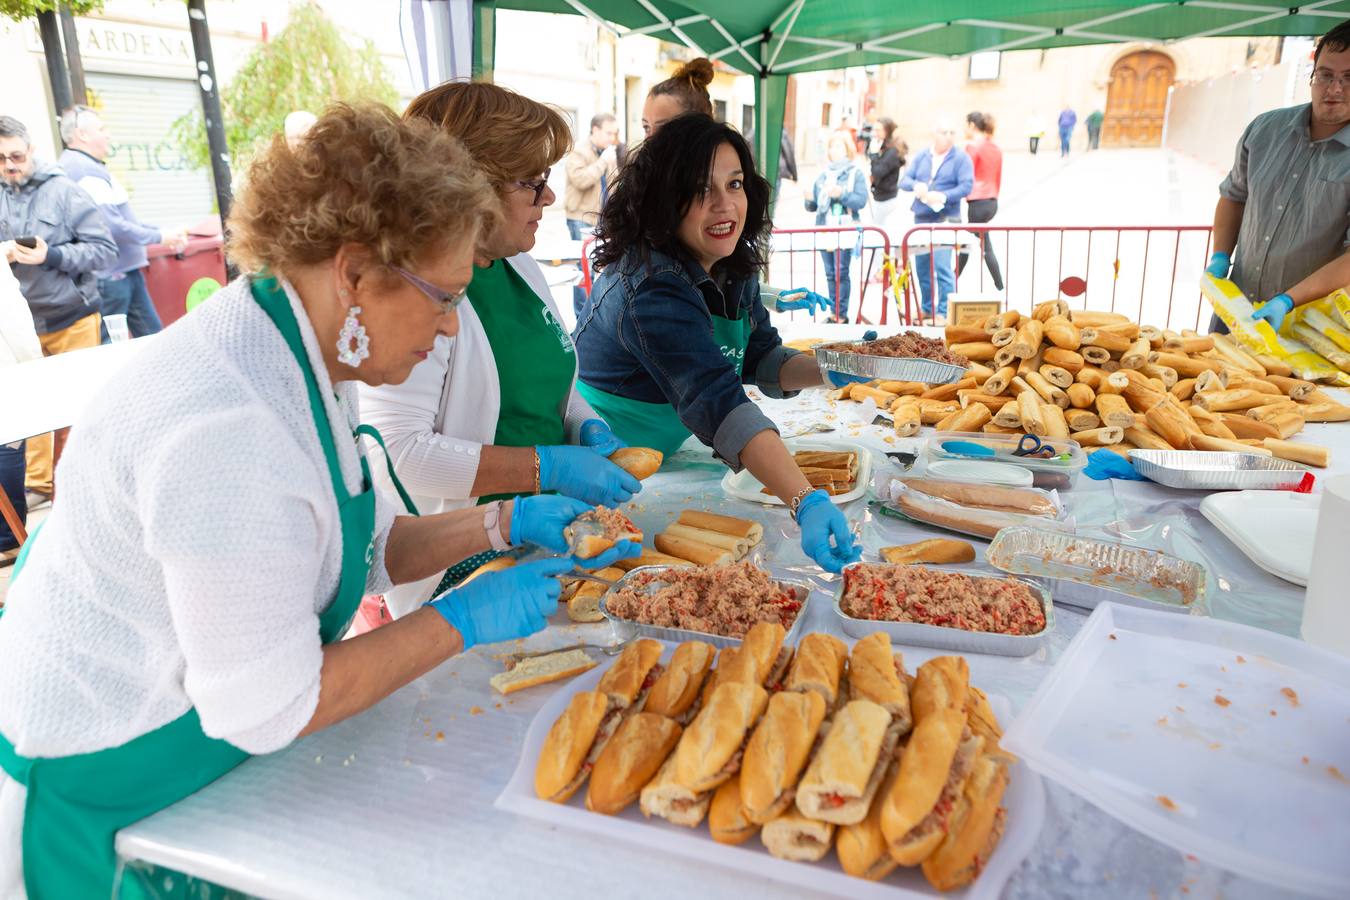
(1327, 316)
(1257, 336)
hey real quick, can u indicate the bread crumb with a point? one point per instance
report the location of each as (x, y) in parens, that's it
(1274, 713)
(1185, 890)
(1167, 803)
(440, 737)
(1222, 700)
(1336, 773)
(1293, 697)
(1181, 684)
(1191, 857)
(1223, 668)
(475, 710)
(1162, 721)
(1241, 659)
(1305, 760)
(496, 706)
(1180, 709)
(1111, 637)
(1215, 746)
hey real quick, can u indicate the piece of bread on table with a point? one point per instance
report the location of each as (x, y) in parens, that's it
(630, 760)
(536, 670)
(934, 550)
(640, 462)
(584, 604)
(726, 817)
(736, 527)
(693, 551)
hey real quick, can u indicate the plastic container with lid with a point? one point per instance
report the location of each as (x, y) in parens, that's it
(1048, 474)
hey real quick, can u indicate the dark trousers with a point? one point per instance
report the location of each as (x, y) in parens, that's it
(983, 211)
(1035, 144)
(838, 293)
(1094, 137)
(127, 296)
(12, 465)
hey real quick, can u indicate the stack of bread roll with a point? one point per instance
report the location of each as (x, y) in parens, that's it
(1108, 383)
(705, 539)
(834, 470)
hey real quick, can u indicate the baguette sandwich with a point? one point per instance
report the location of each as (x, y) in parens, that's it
(934, 767)
(727, 821)
(761, 659)
(794, 836)
(584, 603)
(665, 797)
(847, 770)
(574, 744)
(633, 674)
(941, 683)
(777, 753)
(876, 673)
(818, 666)
(718, 675)
(976, 825)
(595, 531)
(629, 761)
(640, 462)
(675, 694)
(862, 847)
(710, 750)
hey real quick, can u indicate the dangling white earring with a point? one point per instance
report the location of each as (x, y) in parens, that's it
(353, 344)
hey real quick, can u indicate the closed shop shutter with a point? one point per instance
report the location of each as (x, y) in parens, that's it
(165, 190)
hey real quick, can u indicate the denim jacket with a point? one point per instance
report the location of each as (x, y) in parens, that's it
(645, 333)
(854, 197)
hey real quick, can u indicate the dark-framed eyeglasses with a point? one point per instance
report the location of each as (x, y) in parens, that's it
(446, 301)
(17, 158)
(1324, 78)
(537, 186)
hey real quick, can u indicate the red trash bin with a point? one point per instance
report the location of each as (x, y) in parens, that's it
(169, 274)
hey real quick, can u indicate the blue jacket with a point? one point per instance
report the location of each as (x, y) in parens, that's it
(954, 178)
(132, 235)
(63, 289)
(645, 333)
(854, 198)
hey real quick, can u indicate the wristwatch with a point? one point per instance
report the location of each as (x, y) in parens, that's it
(492, 517)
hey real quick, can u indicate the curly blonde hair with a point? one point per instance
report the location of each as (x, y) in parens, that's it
(361, 175)
(509, 136)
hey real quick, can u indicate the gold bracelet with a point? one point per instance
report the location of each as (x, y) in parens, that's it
(537, 487)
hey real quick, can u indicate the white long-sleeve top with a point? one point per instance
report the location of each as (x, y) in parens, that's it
(437, 422)
(193, 545)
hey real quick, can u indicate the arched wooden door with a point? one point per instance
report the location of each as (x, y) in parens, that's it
(1137, 100)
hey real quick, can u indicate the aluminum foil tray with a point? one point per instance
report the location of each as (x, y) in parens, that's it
(626, 628)
(887, 368)
(1208, 470)
(943, 638)
(1083, 572)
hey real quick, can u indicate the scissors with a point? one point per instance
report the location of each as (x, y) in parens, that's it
(1032, 446)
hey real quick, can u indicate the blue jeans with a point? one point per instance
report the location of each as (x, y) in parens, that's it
(946, 279)
(1065, 135)
(12, 465)
(128, 297)
(844, 290)
(578, 231)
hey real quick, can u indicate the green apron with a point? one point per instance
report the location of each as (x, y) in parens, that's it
(658, 425)
(76, 804)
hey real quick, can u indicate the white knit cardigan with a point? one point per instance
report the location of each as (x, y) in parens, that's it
(437, 422)
(194, 543)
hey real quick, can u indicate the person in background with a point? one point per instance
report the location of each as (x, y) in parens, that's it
(57, 274)
(296, 125)
(982, 202)
(1280, 223)
(837, 196)
(674, 330)
(496, 411)
(867, 134)
(1094, 128)
(684, 92)
(1067, 119)
(590, 170)
(121, 286)
(1035, 131)
(887, 164)
(846, 128)
(940, 177)
(18, 343)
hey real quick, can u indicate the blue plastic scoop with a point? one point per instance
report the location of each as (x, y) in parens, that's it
(969, 448)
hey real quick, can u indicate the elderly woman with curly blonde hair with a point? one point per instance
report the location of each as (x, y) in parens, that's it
(496, 411)
(181, 607)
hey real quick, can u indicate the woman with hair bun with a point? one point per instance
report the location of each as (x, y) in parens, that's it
(982, 202)
(684, 92)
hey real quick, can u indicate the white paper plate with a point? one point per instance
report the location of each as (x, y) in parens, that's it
(1274, 528)
(744, 486)
(975, 472)
(1129, 720)
(1024, 800)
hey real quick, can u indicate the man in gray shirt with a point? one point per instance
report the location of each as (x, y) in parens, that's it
(1284, 209)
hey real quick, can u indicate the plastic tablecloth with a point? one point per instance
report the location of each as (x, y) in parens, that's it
(398, 802)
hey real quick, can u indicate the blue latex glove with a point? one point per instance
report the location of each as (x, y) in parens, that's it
(839, 379)
(1275, 309)
(802, 298)
(505, 605)
(596, 435)
(1219, 265)
(582, 473)
(820, 520)
(540, 520)
(1106, 464)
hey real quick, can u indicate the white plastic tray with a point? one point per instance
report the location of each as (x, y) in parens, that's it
(1274, 528)
(1129, 720)
(744, 486)
(1025, 802)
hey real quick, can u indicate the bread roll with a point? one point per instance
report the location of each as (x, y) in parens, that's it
(536, 670)
(584, 604)
(748, 529)
(640, 462)
(727, 822)
(630, 760)
(694, 551)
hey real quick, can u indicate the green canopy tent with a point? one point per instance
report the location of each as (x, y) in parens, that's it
(772, 39)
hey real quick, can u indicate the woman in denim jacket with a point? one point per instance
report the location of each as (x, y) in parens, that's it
(674, 326)
(839, 192)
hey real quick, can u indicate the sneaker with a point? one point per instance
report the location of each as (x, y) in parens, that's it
(37, 499)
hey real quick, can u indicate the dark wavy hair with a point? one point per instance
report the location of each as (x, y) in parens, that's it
(662, 179)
